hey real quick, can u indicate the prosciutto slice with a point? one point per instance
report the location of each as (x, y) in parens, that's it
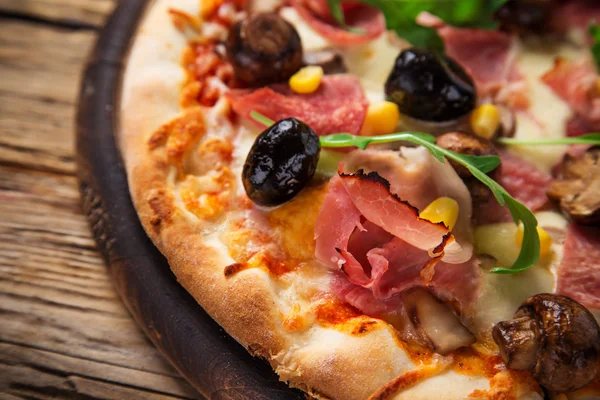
(488, 55)
(366, 18)
(574, 14)
(521, 180)
(379, 245)
(417, 177)
(579, 271)
(339, 105)
(575, 83)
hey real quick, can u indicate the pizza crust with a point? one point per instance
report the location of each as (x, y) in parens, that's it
(326, 362)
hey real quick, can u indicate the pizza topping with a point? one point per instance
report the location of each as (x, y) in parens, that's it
(417, 177)
(339, 105)
(428, 86)
(330, 60)
(381, 118)
(485, 120)
(463, 143)
(371, 195)
(577, 188)
(523, 181)
(307, 79)
(579, 271)
(263, 49)
(367, 21)
(524, 16)
(281, 162)
(554, 336)
(442, 209)
(435, 322)
(489, 57)
(574, 14)
(576, 83)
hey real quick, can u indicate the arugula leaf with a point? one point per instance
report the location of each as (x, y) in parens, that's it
(477, 165)
(258, 117)
(595, 34)
(590, 138)
(400, 16)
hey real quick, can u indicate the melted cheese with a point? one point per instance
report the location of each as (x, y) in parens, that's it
(317, 346)
(372, 63)
(547, 114)
(311, 40)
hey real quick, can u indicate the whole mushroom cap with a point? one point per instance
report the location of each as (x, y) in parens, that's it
(554, 336)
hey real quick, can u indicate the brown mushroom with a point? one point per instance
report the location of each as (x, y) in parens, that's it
(264, 48)
(556, 338)
(577, 187)
(330, 60)
(432, 323)
(464, 143)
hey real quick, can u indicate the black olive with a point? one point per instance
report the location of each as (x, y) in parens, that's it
(281, 162)
(264, 48)
(430, 87)
(524, 16)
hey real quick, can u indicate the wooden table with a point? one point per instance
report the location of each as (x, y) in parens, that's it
(63, 331)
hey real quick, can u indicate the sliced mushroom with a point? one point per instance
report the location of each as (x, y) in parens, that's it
(508, 122)
(556, 338)
(264, 48)
(434, 322)
(464, 143)
(577, 187)
(330, 60)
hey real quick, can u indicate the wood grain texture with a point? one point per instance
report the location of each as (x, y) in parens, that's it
(63, 331)
(74, 13)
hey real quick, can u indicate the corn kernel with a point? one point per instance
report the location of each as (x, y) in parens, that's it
(545, 239)
(307, 79)
(485, 120)
(381, 118)
(443, 209)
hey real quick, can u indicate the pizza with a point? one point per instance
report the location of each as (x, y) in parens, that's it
(392, 200)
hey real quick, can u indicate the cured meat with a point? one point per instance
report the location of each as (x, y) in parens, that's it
(366, 18)
(574, 14)
(575, 82)
(381, 246)
(371, 196)
(577, 126)
(488, 55)
(579, 271)
(521, 180)
(339, 105)
(417, 177)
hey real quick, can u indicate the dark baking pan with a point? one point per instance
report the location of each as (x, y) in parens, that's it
(198, 347)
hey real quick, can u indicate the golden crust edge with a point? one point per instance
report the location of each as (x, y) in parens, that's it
(249, 316)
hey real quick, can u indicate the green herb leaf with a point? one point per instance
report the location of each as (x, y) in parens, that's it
(595, 34)
(477, 165)
(590, 138)
(258, 117)
(400, 16)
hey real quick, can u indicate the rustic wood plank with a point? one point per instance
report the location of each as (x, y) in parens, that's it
(63, 331)
(41, 68)
(52, 277)
(84, 13)
(83, 375)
